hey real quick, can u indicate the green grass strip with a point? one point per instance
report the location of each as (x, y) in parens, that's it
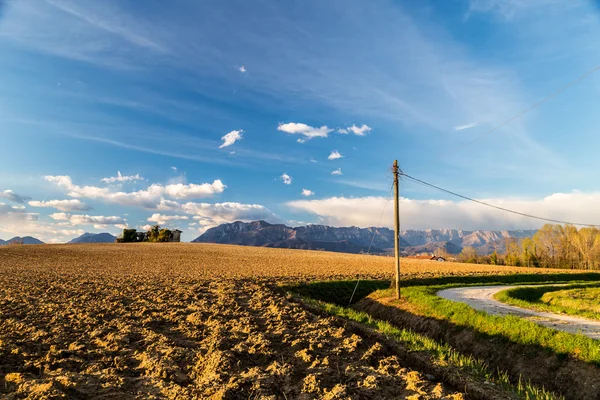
(515, 329)
(441, 354)
(571, 299)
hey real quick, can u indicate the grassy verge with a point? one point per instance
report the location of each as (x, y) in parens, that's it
(440, 354)
(425, 300)
(580, 300)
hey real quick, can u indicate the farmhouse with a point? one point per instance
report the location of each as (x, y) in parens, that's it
(427, 257)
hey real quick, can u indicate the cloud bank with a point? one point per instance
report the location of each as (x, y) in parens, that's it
(12, 196)
(575, 207)
(62, 205)
(148, 198)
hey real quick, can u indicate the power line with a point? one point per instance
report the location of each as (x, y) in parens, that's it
(562, 89)
(380, 217)
(372, 239)
(493, 206)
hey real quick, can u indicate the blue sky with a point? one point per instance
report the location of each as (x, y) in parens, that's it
(89, 89)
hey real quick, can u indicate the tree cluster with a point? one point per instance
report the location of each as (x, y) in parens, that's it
(553, 246)
(155, 234)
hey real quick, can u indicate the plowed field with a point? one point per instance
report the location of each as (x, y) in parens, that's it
(190, 321)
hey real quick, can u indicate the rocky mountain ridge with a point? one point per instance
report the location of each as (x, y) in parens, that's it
(353, 239)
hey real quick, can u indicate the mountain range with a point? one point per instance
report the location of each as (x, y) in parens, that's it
(358, 240)
(94, 238)
(21, 240)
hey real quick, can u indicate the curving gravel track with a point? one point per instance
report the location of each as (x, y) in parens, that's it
(481, 298)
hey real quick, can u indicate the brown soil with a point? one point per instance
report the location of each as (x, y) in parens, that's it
(192, 321)
(573, 378)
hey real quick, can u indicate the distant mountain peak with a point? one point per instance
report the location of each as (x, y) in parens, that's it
(21, 240)
(88, 237)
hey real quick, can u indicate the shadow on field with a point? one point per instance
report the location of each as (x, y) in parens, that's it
(562, 373)
(340, 292)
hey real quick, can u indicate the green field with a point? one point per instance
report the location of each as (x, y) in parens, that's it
(579, 300)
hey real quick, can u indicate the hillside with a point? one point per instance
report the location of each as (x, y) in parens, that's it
(354, 239)
(23, 240)
(94, 238)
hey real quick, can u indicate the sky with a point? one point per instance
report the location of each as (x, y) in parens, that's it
(190, 114)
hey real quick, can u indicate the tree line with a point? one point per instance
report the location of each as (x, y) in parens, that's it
(154, 234)
(553, 246)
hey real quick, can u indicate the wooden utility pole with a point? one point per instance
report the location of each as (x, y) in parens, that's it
(397, 228)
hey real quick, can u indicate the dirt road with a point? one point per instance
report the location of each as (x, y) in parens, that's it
(482, 298)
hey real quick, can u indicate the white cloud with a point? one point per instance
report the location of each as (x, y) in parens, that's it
(122, 178)
(231, 138)
(286, 179)
(62, 205)
(163, 219)
(307, 131)
(337, 172)
(210, 215)
(342, 131)
(10, 213)
(194, 191)
(307, 193)
(465, 126)
(576, 207)
(334, 155)
(77, 219)
(148, 198)
(12, 196)
(103, 226)
(174, 169)
(168, 205)
(242, 69)
(145, 227)
(301, 140)
(359, 131)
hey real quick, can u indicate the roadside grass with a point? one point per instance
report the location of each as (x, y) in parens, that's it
(511, 328)
(340, 292)
(440, 354)
(579, 300)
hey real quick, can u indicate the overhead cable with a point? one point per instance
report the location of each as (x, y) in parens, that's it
(496, 207)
